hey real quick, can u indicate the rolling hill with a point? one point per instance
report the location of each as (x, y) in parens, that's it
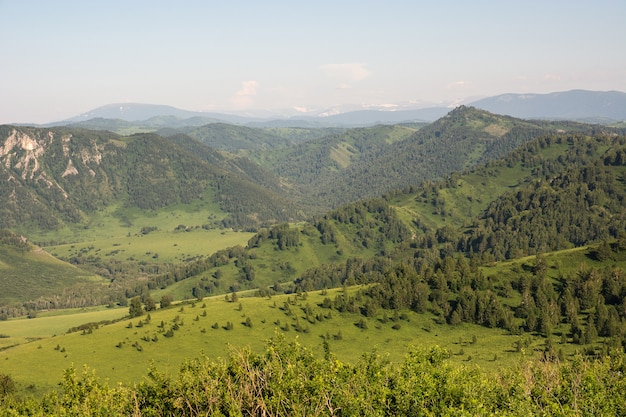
(90, 187)
(462, 213)
(369, 162)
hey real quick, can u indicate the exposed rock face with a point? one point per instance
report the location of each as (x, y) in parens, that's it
(21, 151)
(35, 167)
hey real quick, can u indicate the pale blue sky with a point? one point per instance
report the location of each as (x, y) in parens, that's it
(62, 58)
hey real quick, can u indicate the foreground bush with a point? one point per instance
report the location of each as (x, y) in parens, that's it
(288, 380)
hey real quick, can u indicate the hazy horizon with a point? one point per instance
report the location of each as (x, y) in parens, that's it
(68, 57)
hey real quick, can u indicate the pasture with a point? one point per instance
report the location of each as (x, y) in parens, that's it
(125, 350)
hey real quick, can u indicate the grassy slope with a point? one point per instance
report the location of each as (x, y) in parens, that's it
(196, 337)
(29, 275)
(473, 193)
(167, 246)
(42, 343)
(113, 233)
(272, 265)
(117, 220)
(493, 348)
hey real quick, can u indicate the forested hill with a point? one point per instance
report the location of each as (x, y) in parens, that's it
(369, 162)
(57, 176)
(236, 139)
(556, 192)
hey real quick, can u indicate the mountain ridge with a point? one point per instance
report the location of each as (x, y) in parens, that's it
(53, 176)
(571, 105)
(578, 104)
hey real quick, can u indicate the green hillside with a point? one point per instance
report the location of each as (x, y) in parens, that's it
(520, 259)
(166, 241)
(369, 162)
(342, 320)
(164, 338)
(29, 274)
(61, 177)
(235, 139)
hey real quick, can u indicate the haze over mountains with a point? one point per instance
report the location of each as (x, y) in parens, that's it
(598, 106)
(582, 105)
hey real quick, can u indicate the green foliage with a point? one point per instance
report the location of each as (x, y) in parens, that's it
(135, 309)
(144, 170)
(423, 255)
(7, 386)
(273, 383)
(149, 304)
(368, 162)
(166, 301)
(569, 209)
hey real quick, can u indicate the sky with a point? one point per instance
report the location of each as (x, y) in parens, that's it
(63, 58)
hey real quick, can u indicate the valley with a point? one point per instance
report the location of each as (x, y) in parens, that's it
(501, 241)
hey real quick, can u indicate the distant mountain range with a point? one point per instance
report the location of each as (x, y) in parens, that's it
(138, 112)
(126, 115)
(581, 105)
(604, 107)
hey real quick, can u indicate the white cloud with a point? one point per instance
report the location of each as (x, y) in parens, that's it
(552, 77)
(456, 84)
(245, 95)
(346, 73)
(248, 88)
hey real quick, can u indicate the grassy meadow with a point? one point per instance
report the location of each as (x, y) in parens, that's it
(170, 235)
(124, 351)
(118, 234)
(31, 274)
(118, 220)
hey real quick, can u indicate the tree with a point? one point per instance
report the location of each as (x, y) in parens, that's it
(603, 252)
(149, 304)
(7, 385)
(135, 309)
(541, 266)
(198, 292)
(455, 318)
(166, 300)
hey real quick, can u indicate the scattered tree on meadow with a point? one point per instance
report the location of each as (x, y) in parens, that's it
(149, 304)
(166, 300)
(135, 309)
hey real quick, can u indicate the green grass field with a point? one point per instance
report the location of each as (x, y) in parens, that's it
(272, 265)
(158, 246)
(52, 323)
(169, 236)
(117, 220)
(124, 351)
(31, 274)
